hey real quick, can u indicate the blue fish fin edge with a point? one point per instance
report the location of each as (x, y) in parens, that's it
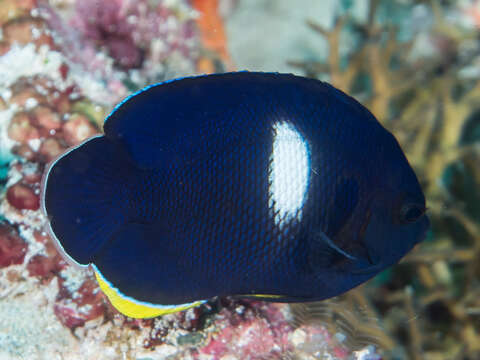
(134, 308)
(148, 87)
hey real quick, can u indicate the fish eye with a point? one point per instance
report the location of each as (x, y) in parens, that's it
(411, 212)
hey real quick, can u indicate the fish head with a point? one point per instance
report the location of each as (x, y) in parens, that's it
(392, 229)
(394, 223)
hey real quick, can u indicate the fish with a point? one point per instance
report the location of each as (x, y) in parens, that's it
(256, 185)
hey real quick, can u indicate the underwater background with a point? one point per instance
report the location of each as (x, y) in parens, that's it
(65, 64)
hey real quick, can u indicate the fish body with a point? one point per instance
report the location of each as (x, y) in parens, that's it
(245, 184)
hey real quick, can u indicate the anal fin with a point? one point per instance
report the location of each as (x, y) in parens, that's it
(134, 308)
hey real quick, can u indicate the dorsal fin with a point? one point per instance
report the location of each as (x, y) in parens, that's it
(162, 119)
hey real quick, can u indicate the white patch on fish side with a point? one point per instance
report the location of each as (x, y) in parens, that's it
(289, 173)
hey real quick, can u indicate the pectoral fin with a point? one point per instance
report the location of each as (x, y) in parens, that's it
(324, 253)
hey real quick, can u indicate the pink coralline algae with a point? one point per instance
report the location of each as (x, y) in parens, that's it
(107, 25)
(12, 247)
(25, 194)
(22, 196)
(130, 32)
(45, 265)
(86, 304)
(249, 330)
(127, 28)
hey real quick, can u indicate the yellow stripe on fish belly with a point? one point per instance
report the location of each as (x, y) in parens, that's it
(134, 308)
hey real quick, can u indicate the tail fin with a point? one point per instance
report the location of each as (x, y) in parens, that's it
(85, 197)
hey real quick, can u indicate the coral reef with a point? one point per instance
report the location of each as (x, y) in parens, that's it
(425, 90)
(418, 72)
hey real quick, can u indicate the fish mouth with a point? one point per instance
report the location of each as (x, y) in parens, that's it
(374, 266)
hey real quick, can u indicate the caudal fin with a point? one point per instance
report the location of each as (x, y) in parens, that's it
(84, 197)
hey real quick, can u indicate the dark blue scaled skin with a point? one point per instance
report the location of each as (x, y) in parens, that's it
(180, 200)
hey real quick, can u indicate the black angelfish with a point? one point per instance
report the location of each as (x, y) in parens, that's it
(250, 184)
